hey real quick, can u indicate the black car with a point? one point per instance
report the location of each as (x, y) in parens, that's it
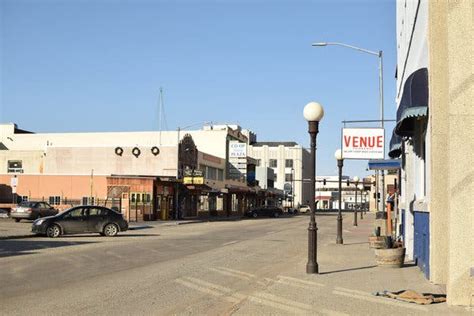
(81, 219)
(272, 211)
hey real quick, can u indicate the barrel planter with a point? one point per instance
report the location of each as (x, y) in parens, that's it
(391, 257)
(379, 242)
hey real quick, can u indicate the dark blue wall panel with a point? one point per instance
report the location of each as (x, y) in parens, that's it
(422, 241)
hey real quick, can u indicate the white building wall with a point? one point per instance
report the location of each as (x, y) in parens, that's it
(300, 165)
(412, 54)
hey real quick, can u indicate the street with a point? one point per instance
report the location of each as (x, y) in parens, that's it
(246, 267)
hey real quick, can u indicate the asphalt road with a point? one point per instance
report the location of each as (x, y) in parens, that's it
(249, 267)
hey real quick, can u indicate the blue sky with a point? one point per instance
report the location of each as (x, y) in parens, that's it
(98, 66)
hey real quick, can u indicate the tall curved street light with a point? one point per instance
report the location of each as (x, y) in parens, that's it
(313, 112)
(379, 54)
(340, 164)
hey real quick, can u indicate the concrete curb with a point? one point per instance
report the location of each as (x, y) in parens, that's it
(17, 237)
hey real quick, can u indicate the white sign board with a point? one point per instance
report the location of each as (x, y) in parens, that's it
(363, 143)
(14, 182)
(237, 150)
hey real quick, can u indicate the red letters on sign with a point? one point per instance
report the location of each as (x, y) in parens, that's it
(347, 140)
(364, 141)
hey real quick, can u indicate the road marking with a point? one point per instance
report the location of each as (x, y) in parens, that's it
(289, 309)
(262, 298)
(206, 290)
(237, 272)
(230, 243)
(281, 300)
(380, 300)
(299, 281)
(232, 274)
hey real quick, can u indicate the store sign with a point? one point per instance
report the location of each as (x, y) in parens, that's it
(193, 180)
(237, 150)
(363, 143)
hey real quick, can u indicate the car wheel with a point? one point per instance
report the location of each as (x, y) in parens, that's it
(254, 215)
(17, 220)
(276, 214)
(53, 231)
(110, 230)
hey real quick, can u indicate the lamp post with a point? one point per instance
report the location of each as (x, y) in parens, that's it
(292, 188)
(313, 112)
(340, 164)
(360, 187)
(379, 54)
(356, 181)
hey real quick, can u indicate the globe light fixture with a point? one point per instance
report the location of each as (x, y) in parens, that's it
(313, 112)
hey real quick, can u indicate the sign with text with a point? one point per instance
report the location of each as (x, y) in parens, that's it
(237, 150)
(193, 180)
(363, 143)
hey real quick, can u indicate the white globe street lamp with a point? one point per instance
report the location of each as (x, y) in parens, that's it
(313, 112)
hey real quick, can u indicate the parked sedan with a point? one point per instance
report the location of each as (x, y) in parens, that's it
(32, 210)
(272, 211)
(81, 219)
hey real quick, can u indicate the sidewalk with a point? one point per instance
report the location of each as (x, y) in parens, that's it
(349, 276)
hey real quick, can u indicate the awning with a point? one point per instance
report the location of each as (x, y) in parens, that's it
(198, 187)
(413, 106)
(395, 149)
(384, 164)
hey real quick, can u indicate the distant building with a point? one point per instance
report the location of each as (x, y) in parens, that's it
(290, 163)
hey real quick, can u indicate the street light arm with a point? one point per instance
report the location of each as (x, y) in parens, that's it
(349, 46)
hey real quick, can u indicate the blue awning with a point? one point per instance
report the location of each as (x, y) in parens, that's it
(385, 164)
(395, 149)
(413, 107)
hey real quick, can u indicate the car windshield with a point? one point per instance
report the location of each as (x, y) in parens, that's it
(27, 204)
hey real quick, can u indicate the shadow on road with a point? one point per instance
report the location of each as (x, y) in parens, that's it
(347, 270)
(10, 248)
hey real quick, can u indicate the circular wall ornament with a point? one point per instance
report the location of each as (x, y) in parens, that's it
(118, 151)
(155, 150)
(136, 152)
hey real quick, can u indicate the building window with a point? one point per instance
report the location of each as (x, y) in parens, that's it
(54, 200)
(220, 174)
(273, 163)
(87, 200)
(289, 163)
(15, 166)
(24, 198)
(211, 173)
(288, 177)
